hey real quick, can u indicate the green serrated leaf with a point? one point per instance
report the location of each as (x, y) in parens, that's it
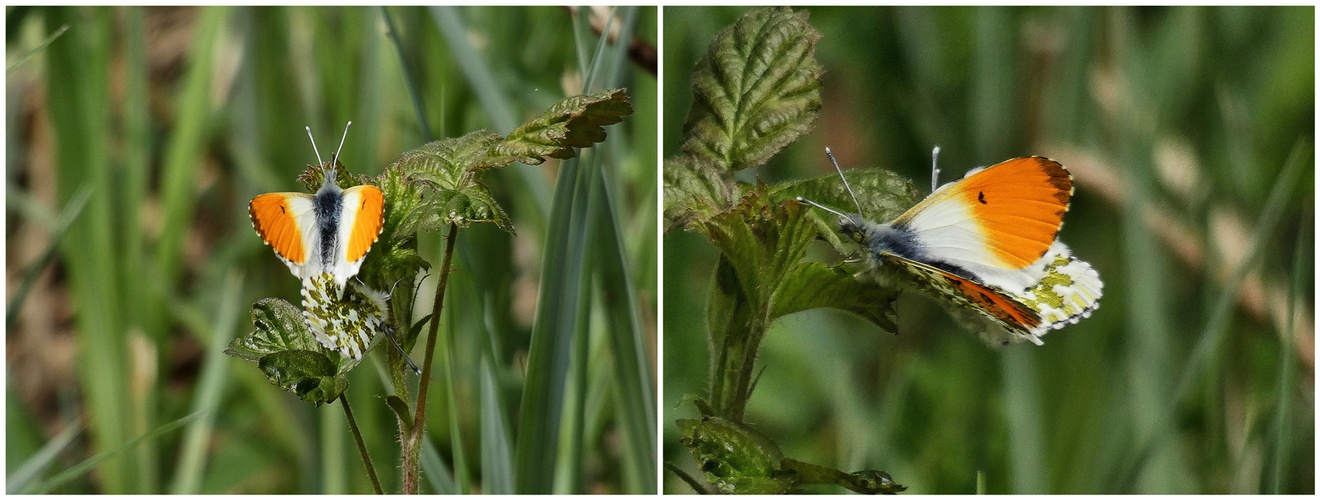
(280, 327)
(735, 458)
(756, 90)
(472, 203)
(573, 122)
(883, 195)
(695, 189)
(814, 285)
(309, 374)
(447, 162)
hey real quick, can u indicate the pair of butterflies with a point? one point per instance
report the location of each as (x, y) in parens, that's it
(985, 245)
(324, 238)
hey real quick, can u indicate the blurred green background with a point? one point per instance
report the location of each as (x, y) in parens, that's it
(1189, 132)
(155, 126)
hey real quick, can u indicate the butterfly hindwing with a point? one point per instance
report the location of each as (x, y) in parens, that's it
(1003, 311)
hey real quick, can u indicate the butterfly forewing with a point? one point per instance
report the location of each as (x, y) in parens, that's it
(1004, 216)
(286, 222)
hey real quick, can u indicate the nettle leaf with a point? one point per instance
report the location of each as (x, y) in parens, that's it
(448, 163)
(883, 195)
(473, 203)
(764, 243)
(756, 90)
(695, 189)
(280, 327)
(735, 458)
(573, 122)
(309, 374)
(814, 285)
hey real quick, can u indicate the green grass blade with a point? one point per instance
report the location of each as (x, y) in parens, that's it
(28, 472)
(1288, 365)
(79, 107)
(36, 50)
(496, 454)
(86, 465)
(633, 381)
(552, 333)
(435, 471)
(414, 93)
(185, 143)
(71, 212)
(451, 397)
(206, 403)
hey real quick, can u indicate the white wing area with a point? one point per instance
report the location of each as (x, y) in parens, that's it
(1069, 290)
(350, 203)
(303, 209)
(947, 231)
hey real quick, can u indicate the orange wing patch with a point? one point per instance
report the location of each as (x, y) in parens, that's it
(368, 223)
(272, 217)
(1020, 205)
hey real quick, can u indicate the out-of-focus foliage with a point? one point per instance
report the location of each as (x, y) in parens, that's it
(174, 118)
(1190, 134)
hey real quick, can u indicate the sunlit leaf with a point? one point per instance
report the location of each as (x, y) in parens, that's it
(756, 90)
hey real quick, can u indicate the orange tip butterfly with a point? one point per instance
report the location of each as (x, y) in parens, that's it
(985, 246)
(324, 238)
(327, 232)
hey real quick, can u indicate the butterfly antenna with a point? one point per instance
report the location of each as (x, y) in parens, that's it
(818, 205)
(415, 369)
(934, 168)
(845, 180)
(318, 153)
(341, 142)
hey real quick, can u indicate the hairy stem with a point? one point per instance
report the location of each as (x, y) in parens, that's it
(362, 446)
(412, 445)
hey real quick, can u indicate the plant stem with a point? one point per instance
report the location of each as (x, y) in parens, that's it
(751, 344)
(412, 445)
(362, 446)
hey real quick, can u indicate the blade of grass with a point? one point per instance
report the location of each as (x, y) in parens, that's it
(1208, 346)
(134, 167)
(1288, 364)
(435, 471)
(552, 335)
(28, 472)
(333, 466)
(36, 50)
(451, 397)
(568, 470)
(71, 212)
(210, 386)
(86, 465)
(557, 318)
(496, 457)
(634, 386)
(1026, 434)
(77, 72)
(414, 93)
(185, 144)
